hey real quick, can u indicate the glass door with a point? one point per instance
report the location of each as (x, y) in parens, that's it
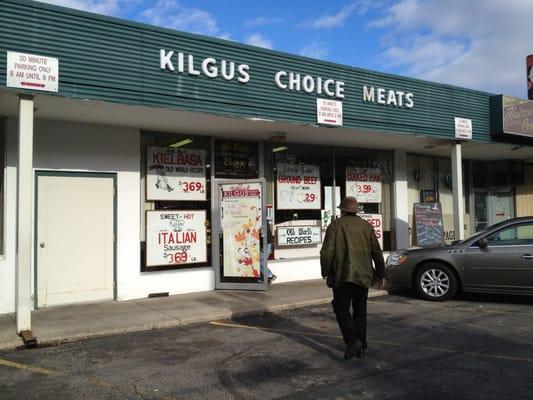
(492, 207)
(241, 228)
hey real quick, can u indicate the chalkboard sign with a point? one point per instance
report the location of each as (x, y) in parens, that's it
(236, 159)
(428, 224)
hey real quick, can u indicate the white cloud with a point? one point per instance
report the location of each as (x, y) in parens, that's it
(258, 40)
(329, 21)
(261, 21)
(106, 7)
(480, 44)
(315, 50)
(171, 14)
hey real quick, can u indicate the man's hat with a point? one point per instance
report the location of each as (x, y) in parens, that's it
(349, 204)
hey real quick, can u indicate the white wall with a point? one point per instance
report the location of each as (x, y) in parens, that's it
(63, 146)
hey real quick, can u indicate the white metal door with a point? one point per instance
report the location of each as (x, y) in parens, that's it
(75, 238)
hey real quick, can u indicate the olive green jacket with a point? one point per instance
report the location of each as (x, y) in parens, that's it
(349, 247)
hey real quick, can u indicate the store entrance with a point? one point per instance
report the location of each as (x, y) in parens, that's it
(492, 207)
(240, 259)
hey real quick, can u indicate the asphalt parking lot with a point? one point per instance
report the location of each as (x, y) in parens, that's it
(474, 347)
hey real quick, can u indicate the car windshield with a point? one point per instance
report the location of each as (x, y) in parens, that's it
(482, 232)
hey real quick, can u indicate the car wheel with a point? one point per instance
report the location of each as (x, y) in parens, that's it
(436, 281)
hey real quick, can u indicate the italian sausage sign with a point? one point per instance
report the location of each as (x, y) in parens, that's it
(175, 237)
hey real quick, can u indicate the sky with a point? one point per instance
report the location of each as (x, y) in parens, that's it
(477, 44)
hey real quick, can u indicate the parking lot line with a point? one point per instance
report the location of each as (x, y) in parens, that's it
(29, 368)
(95, 382)
(373, 341)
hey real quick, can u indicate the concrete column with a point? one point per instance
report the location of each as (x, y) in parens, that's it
(24, 214)
(401, 200)
(457, 181)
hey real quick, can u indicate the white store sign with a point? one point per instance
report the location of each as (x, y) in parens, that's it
(175, 174)
(31, 71)
(175, 237)
(376, 220)
(364, 184)
(298, 187)
(329, 112)
(298, 235)
(463, 128)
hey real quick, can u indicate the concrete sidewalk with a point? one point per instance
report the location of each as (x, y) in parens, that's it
(61, 324)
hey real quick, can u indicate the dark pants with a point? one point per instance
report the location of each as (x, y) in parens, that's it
(353, 327)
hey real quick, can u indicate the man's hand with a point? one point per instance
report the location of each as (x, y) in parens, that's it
(378, 284)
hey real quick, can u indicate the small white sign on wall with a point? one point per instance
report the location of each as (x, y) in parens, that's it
(31, 71)
(463, 128)
(298, 235)
(329, 112)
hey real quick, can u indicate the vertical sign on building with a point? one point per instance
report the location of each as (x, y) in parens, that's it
(329, 112)
(463, 128)
(31, 71)
(529, 65)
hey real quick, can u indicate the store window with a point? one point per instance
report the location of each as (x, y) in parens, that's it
(176, 225)
(307, 184)
(429, 181)
(236, 159)
(367, 175)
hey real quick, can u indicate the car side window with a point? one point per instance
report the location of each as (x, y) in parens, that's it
(521, 234)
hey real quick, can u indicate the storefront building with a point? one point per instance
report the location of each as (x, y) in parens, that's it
(141, 161)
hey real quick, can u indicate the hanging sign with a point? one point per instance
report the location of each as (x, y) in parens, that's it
(30, 71)
(298, 187)
(463, 128)
(241, 221)
(298, 235)
(376, 220)
(175, 174)
(364, 184)
(329, 112)
(175, 237)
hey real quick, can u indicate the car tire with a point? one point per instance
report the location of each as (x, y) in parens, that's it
(435, 281)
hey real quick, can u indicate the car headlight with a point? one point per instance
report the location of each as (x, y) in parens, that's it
(396, 259)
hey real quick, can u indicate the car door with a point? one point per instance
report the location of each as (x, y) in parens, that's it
(506, 263)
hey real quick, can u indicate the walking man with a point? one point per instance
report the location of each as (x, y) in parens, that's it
(346, 258)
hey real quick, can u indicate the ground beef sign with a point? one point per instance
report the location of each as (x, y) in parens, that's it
(298, 187)
(175, 174)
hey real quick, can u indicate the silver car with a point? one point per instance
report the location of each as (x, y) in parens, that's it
(498, 259)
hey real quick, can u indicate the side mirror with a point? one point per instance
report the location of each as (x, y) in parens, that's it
(483, 243)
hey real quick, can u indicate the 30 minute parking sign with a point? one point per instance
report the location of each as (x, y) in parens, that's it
(31, 71)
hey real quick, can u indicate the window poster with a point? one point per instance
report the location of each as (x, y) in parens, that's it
(241, 221)
(175, 174)
(364, 184)
(376, 220)
(298, 187)
(175, 237)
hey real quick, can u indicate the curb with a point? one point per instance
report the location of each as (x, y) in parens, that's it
(55, 341)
